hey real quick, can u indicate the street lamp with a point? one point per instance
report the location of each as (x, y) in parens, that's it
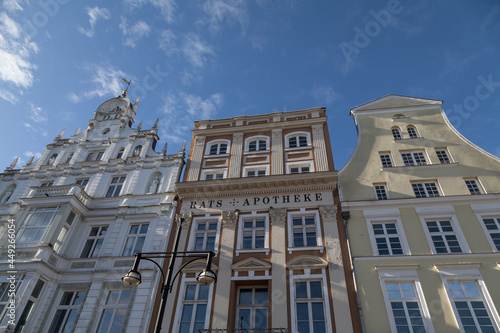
(206, 276)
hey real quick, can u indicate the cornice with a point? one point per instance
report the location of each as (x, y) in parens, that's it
(313, 181)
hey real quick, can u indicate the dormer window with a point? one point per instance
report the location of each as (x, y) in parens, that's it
(218, 147)
(298, 140)
(396, 133)
(412, 132)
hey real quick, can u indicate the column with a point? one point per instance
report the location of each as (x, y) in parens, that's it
(236, 155)
(320, 148)
(340, 300)
(277, 152)
(279, 297)
(194, 167)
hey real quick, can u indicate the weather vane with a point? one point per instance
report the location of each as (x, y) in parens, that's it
(129, 83)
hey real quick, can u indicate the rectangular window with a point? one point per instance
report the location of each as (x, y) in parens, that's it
(135, 239)
(493, 226)
(4, 292)
(46, 184)
(381, 192)
(218, 149)
(94, 242)
(297, 141)
(205, 235)
(67, 310)
(443, 237)
(94, 156)
(115, 187)
(387, 238)
(256, 173)
(114, 311)
(309, 307)
(82, 182)
(299, 169)
(257, 145)
(443, 156)
(211, 176)
(64, 231)
(295, 168)
(252, 308)
(473, 186)
(425, 189)
(194, 308)
(414, 158)
(405, 307)
(254, 233)
(470, 308)
(99, 155)
(304, 231)
(28, 309)
(386, 160)
(36, 225)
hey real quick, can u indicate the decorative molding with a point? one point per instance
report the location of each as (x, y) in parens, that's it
(229, 218)
(277, 215)
(83, 264)
(328, 213)
(188, 218)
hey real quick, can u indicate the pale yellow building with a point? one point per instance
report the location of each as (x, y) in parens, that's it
(422, 208)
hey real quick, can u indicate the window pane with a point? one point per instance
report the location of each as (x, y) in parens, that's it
(301, 289)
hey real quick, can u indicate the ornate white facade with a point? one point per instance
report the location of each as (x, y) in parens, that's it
(79, 213)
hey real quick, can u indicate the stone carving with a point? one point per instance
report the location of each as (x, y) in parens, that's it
(229, 218)
(6, 196)
(153, 187)
(188, 218)
(277, 215)
(328, 213)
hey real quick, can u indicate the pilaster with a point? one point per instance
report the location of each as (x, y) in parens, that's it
(194, 168)
(236, 155)
(278, 258)
(277, 152)
(320, 148)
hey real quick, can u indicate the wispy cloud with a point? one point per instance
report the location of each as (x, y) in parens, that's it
(95, 14)
(324, 94)
(106, 81)
(167, 42)
(186, 108)
(135, 32)
(12, 5)
(8, 96)
(196, 51)
(15, 50)
(220, 11)
(166, 7)
(37, 114)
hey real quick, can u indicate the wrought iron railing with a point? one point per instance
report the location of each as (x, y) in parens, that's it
(250, 330)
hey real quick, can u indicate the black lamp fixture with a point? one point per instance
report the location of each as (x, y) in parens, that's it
(206, 276)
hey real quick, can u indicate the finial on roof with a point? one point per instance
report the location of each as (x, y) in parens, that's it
(61, 134)
(139, 126)
(183, 149)
(156, 124)
(77, 131)
(13, 165)
(164, 150)
(136, 104)
(31, 160)
(129, 83)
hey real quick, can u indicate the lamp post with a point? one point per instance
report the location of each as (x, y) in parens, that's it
(206, 276)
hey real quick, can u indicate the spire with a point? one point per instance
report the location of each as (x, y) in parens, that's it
(139, 126)
(13, 165)
(164, 150)
(183, 149)
(155, 127)
(61, 134)
(136, 104)
(30, 161)
(77, 131)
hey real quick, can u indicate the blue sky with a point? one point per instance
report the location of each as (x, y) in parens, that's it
(195, 59)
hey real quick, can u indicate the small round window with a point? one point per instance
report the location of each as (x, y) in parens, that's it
(106, 131)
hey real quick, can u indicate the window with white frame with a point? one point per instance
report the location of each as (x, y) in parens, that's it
(443, 155)
(304, 230)
(257, 143)
(492, 225)
(386, 160)
(114, 311)
(36, 225)
(298, 140)
(115, 186)
(94, 242)
(120, 153)
(471, 310)
(205, 235)
(69, 158)
(473, 186)
(82, 182)
(413, 158)
(396, 133)
(94, 156)
(46, 184)
(63, 232)
(309, 306)
(194, 308)
(253, 232)
(443, 237)
(252, 308)
(135, 239)
(217, 147)
(425, 189)
(299, 167)
(65, 317)
(30, 305)
(404, 307)
(256, 171)
(386, 238)
(381, 191)
(412, 132)
(213, 174)
(5, 290)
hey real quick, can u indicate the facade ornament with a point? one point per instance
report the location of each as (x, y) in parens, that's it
(328, 213)
(164, 150)
(277, 133)
(237, 137)
(277, 215)
(317, 129)
(188, 218)
(229, 218)
(153, 187)
(200, 141)
(6, 196)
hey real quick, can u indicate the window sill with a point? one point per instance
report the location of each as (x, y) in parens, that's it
(215, 156)
(298, 148)
(409, 139)
(306, 248)
(438, 165)
(238, 251)
(247, 152)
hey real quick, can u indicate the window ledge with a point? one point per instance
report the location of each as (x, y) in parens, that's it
(409, 139)
(437, 165)
(247, 152)
(266, 250)
(305, 248)
(298, 148)
(215, 156)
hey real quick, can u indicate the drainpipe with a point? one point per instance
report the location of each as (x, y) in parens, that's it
(346, 216)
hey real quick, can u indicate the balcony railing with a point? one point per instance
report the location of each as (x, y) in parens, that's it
(249, 330)
(53, 191)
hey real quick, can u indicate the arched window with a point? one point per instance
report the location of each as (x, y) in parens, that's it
(68, 159)
(396, 133)
(120, 153)
(52, 159)
(298, 140)
(7, 194)
(257, 143)
(218, 147)
(137, 151)
(412, 131)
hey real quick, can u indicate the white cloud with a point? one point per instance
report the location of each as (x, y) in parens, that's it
(324, 94)
(167, 42)
(166, 7)
(135, 32)
(95, 14)
(8, 96)
(186, 108)
(106, 80)
(73, 97)
(196, 51)
(15, 50)
(37, 114)
(12, 5)
(218, 11)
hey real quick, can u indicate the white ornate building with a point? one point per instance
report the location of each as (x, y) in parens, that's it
(79, 213)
